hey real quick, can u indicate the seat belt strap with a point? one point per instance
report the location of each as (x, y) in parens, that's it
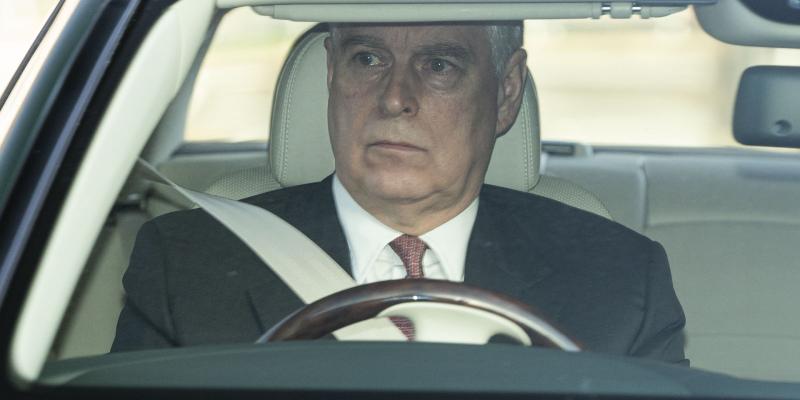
(302, 265)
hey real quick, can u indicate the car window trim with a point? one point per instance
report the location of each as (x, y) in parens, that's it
(23, 64)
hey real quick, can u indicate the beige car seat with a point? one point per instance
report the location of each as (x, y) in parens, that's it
(300, 151)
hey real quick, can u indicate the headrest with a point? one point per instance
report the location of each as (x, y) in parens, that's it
(300, 150)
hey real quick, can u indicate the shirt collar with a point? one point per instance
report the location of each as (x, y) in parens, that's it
(367, 236)
(449, 241)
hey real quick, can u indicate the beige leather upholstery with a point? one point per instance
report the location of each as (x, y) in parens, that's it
(300, 151)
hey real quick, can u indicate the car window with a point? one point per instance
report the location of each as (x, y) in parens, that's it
(658, 83)
(20, 22)
(639, 82)
(232, 98)
(26, 44)
(632, 82)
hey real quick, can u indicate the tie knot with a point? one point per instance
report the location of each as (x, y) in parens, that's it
(411, 249)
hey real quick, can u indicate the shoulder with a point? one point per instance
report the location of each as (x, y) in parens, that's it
(559, 224)
(545, 209)
(286, 203)
(294, 195)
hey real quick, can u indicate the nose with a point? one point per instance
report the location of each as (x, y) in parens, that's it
(399, 96)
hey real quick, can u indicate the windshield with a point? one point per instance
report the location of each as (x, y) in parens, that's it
(573, 185)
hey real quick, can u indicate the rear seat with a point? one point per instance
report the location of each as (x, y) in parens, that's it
(730, 225)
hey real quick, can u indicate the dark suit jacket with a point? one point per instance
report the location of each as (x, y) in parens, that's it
(191, 281)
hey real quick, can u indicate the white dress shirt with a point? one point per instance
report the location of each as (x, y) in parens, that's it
(373, 260)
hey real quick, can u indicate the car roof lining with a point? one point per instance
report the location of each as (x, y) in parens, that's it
(733, 22)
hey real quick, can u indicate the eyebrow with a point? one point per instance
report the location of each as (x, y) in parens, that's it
(363, 40)
(443, 49)
(446, 49)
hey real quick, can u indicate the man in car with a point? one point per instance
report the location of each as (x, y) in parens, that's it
(414, 111)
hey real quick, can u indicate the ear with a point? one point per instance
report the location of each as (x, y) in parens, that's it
(329, 57)
(510, 90)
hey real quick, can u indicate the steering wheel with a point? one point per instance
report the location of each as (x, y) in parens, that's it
(432, 306)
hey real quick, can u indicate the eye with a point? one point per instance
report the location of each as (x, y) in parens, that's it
(367, 59)
(440, 66)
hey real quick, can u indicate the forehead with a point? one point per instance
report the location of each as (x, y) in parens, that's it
(471, 36)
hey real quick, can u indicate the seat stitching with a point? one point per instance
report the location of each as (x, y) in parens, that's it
(293, 78)
(526, 145)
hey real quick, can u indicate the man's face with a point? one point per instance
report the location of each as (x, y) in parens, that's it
(412, 111)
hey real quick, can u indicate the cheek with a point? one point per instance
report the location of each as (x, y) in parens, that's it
(356, 94)
(347, 109)
(463, 129)
(461, 121)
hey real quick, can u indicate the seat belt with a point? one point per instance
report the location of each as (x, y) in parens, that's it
(308, 271)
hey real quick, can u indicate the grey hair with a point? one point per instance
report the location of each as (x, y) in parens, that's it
(505, 37)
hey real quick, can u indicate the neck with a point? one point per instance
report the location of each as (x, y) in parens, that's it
(415, 217)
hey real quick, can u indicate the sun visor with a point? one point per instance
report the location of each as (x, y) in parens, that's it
(767, 111)
(458, 10)
(765, 23)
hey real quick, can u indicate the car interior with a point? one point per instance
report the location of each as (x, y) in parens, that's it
(727, 217)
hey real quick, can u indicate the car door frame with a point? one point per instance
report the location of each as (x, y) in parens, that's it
(49, 136)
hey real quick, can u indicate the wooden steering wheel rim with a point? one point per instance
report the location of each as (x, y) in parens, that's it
(362, 302)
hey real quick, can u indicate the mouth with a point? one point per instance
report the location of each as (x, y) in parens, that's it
(395, 146)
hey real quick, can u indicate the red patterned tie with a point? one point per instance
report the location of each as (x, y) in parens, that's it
(411, 249)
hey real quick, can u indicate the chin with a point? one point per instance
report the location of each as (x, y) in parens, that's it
(396, 187)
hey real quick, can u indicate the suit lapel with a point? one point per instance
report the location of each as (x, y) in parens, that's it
(318, 220)
(501, 255)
